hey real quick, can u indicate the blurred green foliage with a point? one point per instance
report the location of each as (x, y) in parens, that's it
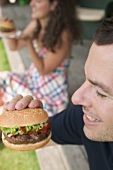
(4, 64)
(17, 160)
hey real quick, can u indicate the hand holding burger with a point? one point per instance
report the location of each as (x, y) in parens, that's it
(26, 129)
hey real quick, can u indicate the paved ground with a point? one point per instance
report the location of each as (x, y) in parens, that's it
(68, 157)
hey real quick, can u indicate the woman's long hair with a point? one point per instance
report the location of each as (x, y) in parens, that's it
(62, 18)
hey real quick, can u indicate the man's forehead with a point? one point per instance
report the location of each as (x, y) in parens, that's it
(102, 49)
(100, 53)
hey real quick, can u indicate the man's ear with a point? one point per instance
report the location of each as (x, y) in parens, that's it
(53, 5)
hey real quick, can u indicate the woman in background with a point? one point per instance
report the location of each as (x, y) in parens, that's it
(49, 38)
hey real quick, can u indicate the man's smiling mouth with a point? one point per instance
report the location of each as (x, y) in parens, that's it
(92, 119)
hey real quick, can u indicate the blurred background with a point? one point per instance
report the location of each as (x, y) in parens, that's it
(90, 13)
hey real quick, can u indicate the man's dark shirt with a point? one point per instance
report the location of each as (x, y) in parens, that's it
(67, 128)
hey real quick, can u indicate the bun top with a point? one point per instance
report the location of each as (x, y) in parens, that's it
(24, 117)
(7, 24)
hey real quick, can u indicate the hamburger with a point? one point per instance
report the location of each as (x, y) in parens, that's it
(27, 129)
(7, 27)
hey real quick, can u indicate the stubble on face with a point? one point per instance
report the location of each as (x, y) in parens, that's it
(100, 135)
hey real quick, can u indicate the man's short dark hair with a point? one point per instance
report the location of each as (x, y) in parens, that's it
(104, 34)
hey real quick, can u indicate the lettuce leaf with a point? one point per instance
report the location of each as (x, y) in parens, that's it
(17, 130)
(3, 28)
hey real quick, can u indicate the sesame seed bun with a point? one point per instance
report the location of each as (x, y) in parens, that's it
(27, 140)
(24, 117)
(7, 27)
(6, 24)
(26, 147)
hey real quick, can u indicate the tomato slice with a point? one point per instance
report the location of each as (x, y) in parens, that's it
(45, 128)
(23, 129)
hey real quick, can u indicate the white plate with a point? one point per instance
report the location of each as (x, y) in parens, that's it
(17, 33)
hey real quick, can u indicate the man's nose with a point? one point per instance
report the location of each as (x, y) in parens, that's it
(83, 95)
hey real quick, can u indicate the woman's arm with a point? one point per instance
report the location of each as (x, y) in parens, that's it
(52, 60)
(18, 43)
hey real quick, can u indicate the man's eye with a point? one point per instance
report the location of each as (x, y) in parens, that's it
(101, 95)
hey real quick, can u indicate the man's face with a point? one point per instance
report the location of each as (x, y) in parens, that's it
(96, 94)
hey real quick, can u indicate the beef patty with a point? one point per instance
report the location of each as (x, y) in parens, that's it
(28, 138)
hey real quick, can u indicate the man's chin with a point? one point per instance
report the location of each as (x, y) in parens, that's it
(97, 136)
(89, 134)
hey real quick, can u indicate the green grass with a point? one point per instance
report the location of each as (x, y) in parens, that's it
(4, 65)
(17, 160)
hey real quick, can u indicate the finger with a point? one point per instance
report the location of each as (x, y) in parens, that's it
(35, 104)
(20, 37)
(6, 19)
(11, 105)
(23, 103)
(24, 36)
(5, 106)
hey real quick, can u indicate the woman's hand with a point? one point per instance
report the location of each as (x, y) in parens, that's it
(19, 102)
(6, 19)
(26, 38)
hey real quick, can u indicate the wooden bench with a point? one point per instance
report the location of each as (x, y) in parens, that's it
(90, 19)
(90, 14)
(14, 59)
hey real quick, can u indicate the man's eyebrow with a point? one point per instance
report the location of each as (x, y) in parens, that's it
(101, 85)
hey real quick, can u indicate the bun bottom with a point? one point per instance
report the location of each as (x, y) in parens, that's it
(7, 33)
(27, 147)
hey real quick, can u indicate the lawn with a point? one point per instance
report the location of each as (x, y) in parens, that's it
(4, 65)
(17, 160)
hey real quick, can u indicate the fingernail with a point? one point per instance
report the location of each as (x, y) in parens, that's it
(19, 105)
(32, 105)
(11, 106)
